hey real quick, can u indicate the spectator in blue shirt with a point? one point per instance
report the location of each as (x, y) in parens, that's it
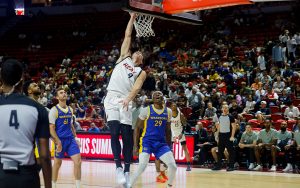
(93, 129)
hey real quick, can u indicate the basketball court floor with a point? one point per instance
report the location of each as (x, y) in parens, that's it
(101, 174)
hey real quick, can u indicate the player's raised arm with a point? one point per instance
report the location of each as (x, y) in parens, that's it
(127, 38)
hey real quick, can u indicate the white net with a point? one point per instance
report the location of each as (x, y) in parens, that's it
(143, 25)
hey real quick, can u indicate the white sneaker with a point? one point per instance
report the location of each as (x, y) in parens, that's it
(258, 167)
(251, 166)
(273, 169)
(120, 178)
(288, 168)
(127, 178)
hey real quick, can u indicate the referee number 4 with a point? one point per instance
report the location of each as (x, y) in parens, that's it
(13, 120)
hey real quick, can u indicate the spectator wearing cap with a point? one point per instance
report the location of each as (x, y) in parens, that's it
(291, 112)
(188, 91)
(264, 109)
(266, 139)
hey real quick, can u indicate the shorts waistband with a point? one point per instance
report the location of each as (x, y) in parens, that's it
(115, 94)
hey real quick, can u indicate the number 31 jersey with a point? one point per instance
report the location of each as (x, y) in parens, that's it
(123, 77)
(22, 120)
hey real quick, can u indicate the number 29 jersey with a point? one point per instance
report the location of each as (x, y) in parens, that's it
(155, 124)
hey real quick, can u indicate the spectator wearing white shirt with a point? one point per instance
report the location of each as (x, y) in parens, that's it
(261, 62)
(291, 112)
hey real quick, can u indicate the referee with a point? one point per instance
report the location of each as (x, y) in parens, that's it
(22, 120)
(226, 129)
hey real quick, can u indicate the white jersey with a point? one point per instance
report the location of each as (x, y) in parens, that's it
(123, 77)
(176, 125)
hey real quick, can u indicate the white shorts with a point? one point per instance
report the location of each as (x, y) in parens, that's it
(114, 109)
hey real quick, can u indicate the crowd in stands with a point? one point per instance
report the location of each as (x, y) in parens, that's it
(259, 82)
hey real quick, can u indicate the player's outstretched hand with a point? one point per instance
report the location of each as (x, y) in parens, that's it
(58, 147)
(133, 14)
(135, 151)
(78, 142)
(125, 104)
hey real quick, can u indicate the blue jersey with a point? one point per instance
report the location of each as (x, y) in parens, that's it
(155, 125)
(63, 123)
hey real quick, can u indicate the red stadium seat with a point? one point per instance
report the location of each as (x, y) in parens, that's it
(275, 109)
(248, 116)
(187, 112)
(276, 117)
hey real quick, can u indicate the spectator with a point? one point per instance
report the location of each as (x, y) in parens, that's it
(90, 111)
(93, 128)
(291, 112)
(247, 145)
(80, 111)
(210, 112)
(207, 145)
(266, 139)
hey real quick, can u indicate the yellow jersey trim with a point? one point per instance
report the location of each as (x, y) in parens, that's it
(155, 110)
(144, 131)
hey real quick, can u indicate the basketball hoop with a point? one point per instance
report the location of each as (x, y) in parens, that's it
(143, 25)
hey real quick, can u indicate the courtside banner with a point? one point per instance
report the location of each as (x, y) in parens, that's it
(98, 146)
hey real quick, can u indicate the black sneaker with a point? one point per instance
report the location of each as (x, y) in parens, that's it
(229, 169)
(216, 168)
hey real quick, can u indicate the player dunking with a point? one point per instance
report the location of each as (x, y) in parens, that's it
(125, 82)
(64, 135)
(155, 121)
(178, 123)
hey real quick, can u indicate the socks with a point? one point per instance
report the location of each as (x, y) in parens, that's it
(127, 167)
(53, 184)
(78, 183)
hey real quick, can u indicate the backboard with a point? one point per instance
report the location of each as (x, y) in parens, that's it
(154, 8)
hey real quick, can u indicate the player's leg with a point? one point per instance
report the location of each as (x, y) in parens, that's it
(57, 162)
(186, 152)
(112, 110)
(169, 160)
(74, 152)
(55, 169)
(143, 162)
(127, 137)
(161, 171)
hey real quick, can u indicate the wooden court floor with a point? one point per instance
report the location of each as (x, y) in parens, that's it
(101, 174)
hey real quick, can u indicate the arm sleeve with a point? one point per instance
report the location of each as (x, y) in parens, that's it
(52, 115)
(42, 129)
(144, 113)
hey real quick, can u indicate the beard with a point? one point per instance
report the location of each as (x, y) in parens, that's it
(37, 93)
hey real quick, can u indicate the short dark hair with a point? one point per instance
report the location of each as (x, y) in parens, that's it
(11, 72)
(26, 86)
